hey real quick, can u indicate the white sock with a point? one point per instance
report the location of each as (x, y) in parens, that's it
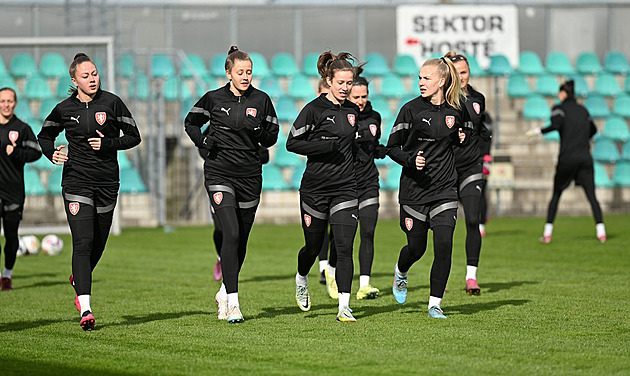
(84, 303)
(331, 271)
(399, 273)
(223, 292)
(471, 272)
(364, 280)
(232, 299)
(548, 229)
(7, 273)
(322, 265)
(482, 227)
(344, 299)
(301, 279)
(434, 301)
(218, 257)
(601, 231)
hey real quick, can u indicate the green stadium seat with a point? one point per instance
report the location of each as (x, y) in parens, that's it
(605, 150)
(602, 180)
(405, 65)
(581, 86)
(217, 65)
(184, 108)
(273, 179)
(402, 102)
(296, 176)
(529, 64)
(597, 106)
(606, 84)
(53, 65)
(259, 65)
(35, 124)
(376, 65)
(616, 128)
(3, 68)
(46, 107)
(206, 84)
(392, 180)
(32, 183)
(379, 104)
(559, 64)
(63, 85)
(386, 130)
(22, 66)
(547, 85)
(54, 180)
(139, 86)
(286, 110)
(42, 164)
(284, 158)
(309, 65)
(23, 110)
(499, 65)
(517, 86)
(414, 88)
(475, 68)
(588, 63)
(625, 151)
(61, 139)
(621, 175)
(621, 106)
(615, 62)
(175, 89)
(198, 66)
(300, 88)
(7, 81)
(284, 65)
(162, 66)
(131, 181)
(536, 108)
(123, 160)
(553, 136)
(392, 86)
(36, 88)
(126, 66)
(271, 86)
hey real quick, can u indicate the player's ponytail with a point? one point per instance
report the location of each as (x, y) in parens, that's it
(235, 54)
(452, 89)
(79, 59)
(569, 88)
(329, 63)
(358, 79)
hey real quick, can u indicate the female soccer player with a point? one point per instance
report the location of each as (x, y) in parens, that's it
(575, 163)
(93, 120)
(469, 167)
(241, 119)
(324, 132)
(421, 141)
(18, 146)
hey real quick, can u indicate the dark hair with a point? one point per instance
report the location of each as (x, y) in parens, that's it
(569, 88)
(235, 54)
(329, 63)
(79, 59)
(454, 57)
(11, 90)
(358, 79)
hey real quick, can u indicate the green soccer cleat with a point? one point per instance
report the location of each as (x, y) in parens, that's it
(302, 297)
(331, 285)
(345, 315)
(367, 292)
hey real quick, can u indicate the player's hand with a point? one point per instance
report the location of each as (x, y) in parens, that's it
(420, 161)
(461, 134)
(380, 152)
(59, 156)
(252, 124)
(209, 143)
(95, 142)
(534, 132)
(487, 159)
(11, 147)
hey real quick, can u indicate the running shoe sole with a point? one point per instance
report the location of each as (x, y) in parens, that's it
(87, 322)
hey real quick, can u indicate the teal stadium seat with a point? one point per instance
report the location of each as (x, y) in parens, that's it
(54, 180)
(131, 181)
(126, 66)
(621, 106)
(536, 108)
(376, 65)
(553, 136)
(547, 85)
(300, 88)
(616, 128)
(499, 65)
(22, 66)
(597, 106)
(284, 65)
(605, 150)
(296, 177)
(32, 183)
(581, 86)
(3, 68)
(139, 87)
(63, 86)
(198, 66)
(23, 110)
(405, 65)
(284, 158)
(61, 139)
(7, 81)
(53, 65)
(185, 107)
(517, 86)
(475, 68)
(386, 130)
(42, 164)
(616, 63)
(402, 102)
(606, 84)
(273, 179)
(259, 65)
(625, 151)
(271, 86)
(621, 175)
(588, 63)
(559, 64)
(392, 180)
(217, 65)
(379, 104)
(602, 180)
(392, 86)
(36, 88)
(175, 89)
(626, 86)
(286, 110)
(529, 64)
(309, 65)
(123, 160)
(46, 107)
(162, 66)
(206, 84)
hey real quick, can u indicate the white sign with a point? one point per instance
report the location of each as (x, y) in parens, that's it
(430, 31)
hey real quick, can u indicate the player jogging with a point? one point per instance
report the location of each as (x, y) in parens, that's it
(93, 120)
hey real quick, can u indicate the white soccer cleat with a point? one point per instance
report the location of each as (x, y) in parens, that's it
(223, 307)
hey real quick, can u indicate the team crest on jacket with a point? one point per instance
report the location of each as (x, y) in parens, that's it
(218, 197)
(74, 208)
(351, 119)
(409, 223)
(251, 111)
(307, 220)
(373, 129)
(13, 135)
(477, 107)
(450, 121)
(100, 117)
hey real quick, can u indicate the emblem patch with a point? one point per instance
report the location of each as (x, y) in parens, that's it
(409, 223)
(307, 220)
(74, 208)
(477, 107)
(101, 117)
(13, 136)
(218, 197)
(251, 111)
(450, 121)
(351, 119)
(373, 129)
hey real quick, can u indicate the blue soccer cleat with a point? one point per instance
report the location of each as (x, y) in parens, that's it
(436, 312)
(400, 289)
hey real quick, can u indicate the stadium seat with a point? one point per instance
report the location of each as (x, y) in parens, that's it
(499, 65)
(602, 180)
(475, 68)
(53, 65)
(259, 65)
(162, 66)
(7, 81)
(217, 65)
(559, 64)
(529, 64)
(380, 105)
(405, 65)
(63, 86)
(46, 107)
(61, 139)
(283, 65)
(3, 68)
(286, 109)
(616, 128)
(621, 175)
(392, 86)
(54, 180)
(284, 158)
(272, 178)
(392, 180)
(606, 84)
(309, 65)
(174, 90)
(588, 63)
(22, 66)
(536, 108)
(386, 130)
(517, 86)
(42, 164)
(131, 182)
(271, 86)
(185, 107)
(32, 183)
(36, 88)
(615, 62)
(553, 136)
(547, 85)
(622, 106)
(23, 110)
(198, 65)
(296, 177)
(580, 85)
(402, 102)
(123, 160)
(605, 150)
(139, 87)
(625, 151)
(597, 106)
(300, 87)
(126, 65)
(376, 65)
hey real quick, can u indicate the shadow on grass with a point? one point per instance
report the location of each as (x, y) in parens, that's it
(39, 275)
(271, 312)
(498, 286)
(157, 316)
(55, 282)
(21, 366)
(17, 326)
(471, 309)
(268, 278)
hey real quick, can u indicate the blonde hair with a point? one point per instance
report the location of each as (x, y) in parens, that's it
(453, 93)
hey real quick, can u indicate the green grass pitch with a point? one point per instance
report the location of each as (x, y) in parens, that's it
(562, 308)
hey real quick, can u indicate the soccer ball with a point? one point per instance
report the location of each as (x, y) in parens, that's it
(31, 243)
(52, 245)
(21, 251)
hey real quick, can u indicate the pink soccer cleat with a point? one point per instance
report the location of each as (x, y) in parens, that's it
(87, 321)
(546, 239)
(217, 273)
(7, 284)
(602, 238)
(472, 288)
